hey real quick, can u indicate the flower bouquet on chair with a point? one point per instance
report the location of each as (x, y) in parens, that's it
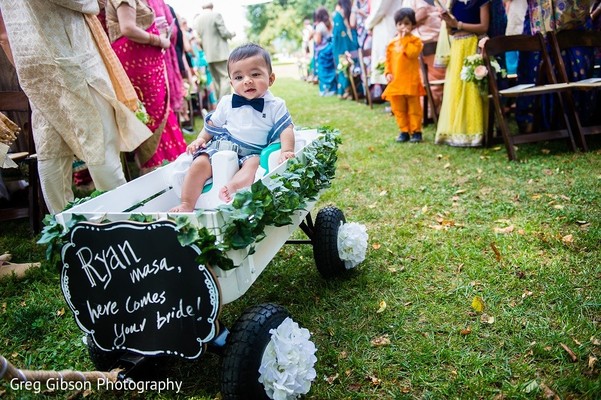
(475, 71)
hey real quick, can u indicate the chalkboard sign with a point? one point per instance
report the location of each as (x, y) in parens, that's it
(134, 286)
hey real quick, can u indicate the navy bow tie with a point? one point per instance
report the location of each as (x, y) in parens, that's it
(239, 101)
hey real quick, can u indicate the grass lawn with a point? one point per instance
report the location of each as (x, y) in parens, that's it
(446, 225)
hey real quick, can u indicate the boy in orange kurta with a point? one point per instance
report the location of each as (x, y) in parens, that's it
(405, 85)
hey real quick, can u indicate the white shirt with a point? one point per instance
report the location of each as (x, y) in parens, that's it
(249, 125)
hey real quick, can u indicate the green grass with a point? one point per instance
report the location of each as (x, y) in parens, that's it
(432, 214)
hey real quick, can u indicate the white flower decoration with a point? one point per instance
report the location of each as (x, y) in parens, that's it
(352, 244)
(286, 369)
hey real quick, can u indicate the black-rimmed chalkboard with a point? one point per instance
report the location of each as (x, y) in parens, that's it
(134, 286)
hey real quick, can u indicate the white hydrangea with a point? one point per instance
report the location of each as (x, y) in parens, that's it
(287, 367)
(352, 244)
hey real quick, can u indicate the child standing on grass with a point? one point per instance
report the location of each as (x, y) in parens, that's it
(405, 85)
(251, 119)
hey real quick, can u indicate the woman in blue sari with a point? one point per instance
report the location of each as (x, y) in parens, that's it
(344, 40)
(324, 59)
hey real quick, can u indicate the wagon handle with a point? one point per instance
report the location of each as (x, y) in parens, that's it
(9, 372)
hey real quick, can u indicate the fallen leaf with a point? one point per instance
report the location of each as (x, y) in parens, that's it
(373, 205)
(577, 342)
(460, 191)
(348, 372)
(487, 319)
(374, 380)
(60, 312)
(572, 355)
(380, 341)
(376, 246)
(466, 331)
(582, 222)
(354, 387)
(383, 193)
(343, 354)
(496, 251)
(382, 307)
(548, 171)
(558, 206)
(496, 148)
(424, 209)
(447, 166)
(592, 360)
(545, 151)
(505, 230)
(548, 393)
(331, 379)
(595, 341)
(567, 239)
(478, 304)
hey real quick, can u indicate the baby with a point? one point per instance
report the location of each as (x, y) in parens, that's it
(250, 119)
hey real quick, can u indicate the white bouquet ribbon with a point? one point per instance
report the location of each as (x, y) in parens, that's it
(5, 161)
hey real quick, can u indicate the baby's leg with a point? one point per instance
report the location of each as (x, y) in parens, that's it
(243, 178)
(194, 181)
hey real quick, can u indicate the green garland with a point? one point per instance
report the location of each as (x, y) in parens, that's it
(247, 216)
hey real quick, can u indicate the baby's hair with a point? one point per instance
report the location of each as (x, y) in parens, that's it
(403, 13)
(246, 51)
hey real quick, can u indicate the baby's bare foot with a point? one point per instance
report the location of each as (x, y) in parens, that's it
(184, 207)
(225, 195)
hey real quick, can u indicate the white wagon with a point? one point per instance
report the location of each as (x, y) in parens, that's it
(143, 282)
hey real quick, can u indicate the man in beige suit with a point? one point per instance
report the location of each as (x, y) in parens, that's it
(214, 36)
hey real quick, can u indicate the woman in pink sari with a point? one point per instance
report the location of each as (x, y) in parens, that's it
(174, 77)
(140, 47)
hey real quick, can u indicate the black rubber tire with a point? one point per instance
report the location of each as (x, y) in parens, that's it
(325, 242)
(102, 360)
(244, 350)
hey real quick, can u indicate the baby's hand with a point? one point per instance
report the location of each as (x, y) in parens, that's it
(195, 145)
(389, 77)
(285, 155)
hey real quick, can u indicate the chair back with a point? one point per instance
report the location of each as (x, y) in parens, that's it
(17, 101)
(545, 83)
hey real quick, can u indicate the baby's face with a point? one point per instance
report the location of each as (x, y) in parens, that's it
(250, 77)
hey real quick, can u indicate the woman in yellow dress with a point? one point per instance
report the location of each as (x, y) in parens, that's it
(462, 119)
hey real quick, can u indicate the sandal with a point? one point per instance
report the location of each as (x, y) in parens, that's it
(7, 268)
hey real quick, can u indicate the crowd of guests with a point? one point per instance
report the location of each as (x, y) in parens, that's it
(110, 76)
(448, 31)
(105, 77)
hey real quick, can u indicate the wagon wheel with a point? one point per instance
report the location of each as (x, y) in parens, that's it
(325, 242)
(244, 351)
